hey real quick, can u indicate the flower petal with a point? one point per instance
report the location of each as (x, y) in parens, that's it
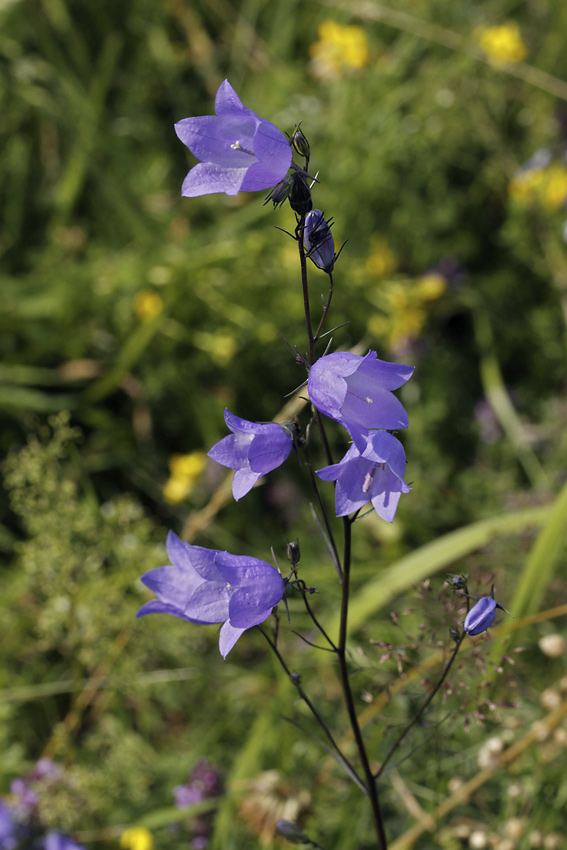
(268, 451)
(228, 636)
(243, 482)
(209, 603)
(207, 178)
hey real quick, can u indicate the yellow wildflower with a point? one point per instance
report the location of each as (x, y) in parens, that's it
(503, 43)
(407, 325)
(137, 838)
(185, 471)
(431, 286)
(340, 48)
(220, 347)
(547, 186)
(554, 186)
(147, 304)
(381, 260)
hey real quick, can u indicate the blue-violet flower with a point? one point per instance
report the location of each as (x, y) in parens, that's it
(8, 839)
(375, 475)
(238, 150)
(251, 450)
(319, 242)
(356, 391)
(481, 616)
(206, 586)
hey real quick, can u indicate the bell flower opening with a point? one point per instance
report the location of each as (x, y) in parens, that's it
(238, 150)
(375, 475)
(356, 392)
(251, 450)
(206, 586)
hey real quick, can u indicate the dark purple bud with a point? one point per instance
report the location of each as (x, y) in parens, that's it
(481, 616)
(319, 242)
(300, 194)
(280, 193)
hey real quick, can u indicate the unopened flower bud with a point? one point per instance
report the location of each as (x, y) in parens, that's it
(300, 194)
(319, 241)
(292, 832)
(280, 192)
(458, 582)
(481, 616)
(292, 552)
(300, 143)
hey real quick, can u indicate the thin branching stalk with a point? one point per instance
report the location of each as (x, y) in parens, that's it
(347, 691)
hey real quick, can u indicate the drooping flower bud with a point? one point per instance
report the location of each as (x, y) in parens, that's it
(300, 194)
(481, 616)
(280, 192)
(319, 242)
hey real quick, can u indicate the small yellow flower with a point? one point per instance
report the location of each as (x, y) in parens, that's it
(431, 286)
(340, 48)
(147, 304)
(547, 186)
(137, 838)
(503, 43)
(381, 260)
(398, 297)
(523, 187)
(554, 187)
(185, 471)
(407, 325)
(220, 347)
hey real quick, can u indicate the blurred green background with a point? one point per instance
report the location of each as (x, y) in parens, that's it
(143, 315)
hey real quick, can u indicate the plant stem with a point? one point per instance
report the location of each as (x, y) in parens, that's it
(423, 707)
(303, 263)
(295, 680)
(371, 789)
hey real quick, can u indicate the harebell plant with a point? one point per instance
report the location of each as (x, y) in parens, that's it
(239, 151)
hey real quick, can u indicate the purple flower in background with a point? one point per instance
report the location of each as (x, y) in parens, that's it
(251, 450)
(355, 391)
(8, 839)
(207, 586)
(25, 799)
(481, 616)
(375, 475)
(204, 781)
(238, 150)
(319, 242)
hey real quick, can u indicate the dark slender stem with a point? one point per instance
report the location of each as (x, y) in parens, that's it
(295, 680)
(347, 691)
(303, 263)
(325, 308)
(419, 714)
(321, 504)
(317, 623)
